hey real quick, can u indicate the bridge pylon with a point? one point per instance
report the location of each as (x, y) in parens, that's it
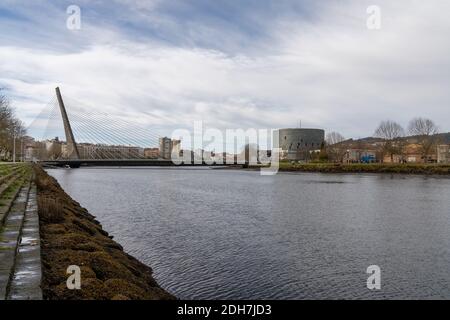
(72, 148)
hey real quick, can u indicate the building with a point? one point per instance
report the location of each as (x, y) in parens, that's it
(103, 151)
(54, 148)
(360, 156)
(443, 153)
(167, 146)
(412, 153)
(151, 153)
(298, 144)
(176, 146)
(397, 158)
(42, 150)
(28, 148)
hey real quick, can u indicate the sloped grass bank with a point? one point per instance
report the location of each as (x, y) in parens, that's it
(12, 178)
(72, 236)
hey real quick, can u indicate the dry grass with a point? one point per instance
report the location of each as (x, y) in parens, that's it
(50, 210)
(43, 181)
(72, 236)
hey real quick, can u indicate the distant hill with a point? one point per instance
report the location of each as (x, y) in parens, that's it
(443, 138)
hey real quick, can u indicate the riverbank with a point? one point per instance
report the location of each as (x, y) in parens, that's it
(72, 236)
(426, 169)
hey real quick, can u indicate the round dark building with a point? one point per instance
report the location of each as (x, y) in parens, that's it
(297, 144)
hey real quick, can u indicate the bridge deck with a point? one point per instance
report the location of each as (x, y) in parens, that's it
(124, 163)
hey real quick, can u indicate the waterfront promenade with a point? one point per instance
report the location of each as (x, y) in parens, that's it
(20, 256)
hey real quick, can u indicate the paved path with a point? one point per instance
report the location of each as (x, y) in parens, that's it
(20, 262)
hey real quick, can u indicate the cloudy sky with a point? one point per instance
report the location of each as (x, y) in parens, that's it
(233, 63)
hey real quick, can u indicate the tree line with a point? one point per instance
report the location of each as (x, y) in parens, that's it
(393, 139)
(12, 128)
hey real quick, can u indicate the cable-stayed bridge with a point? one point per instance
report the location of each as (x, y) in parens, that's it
(69, 133)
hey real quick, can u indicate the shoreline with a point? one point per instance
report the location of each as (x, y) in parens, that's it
(70, 235)
(379, 168)
(354, 168)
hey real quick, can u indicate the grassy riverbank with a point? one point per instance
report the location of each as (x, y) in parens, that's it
(72, 236)
(437, 169)
(12, 178)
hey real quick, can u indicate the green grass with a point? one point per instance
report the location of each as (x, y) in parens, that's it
(6, 169)
(22, 171)
(12, 189)
(369, 168)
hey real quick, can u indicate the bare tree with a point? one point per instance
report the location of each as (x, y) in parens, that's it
(426, 131)
(11, 128)
(422, 127)
(391, 133)
(335, 148)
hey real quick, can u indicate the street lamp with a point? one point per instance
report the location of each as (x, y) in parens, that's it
(14, 148)
(21, 150)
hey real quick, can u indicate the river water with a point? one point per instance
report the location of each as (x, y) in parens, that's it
(234, 234)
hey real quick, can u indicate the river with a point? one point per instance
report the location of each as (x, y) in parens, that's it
(234, 234)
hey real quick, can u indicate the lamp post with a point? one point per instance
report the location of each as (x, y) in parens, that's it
(21, 150)
(14, 148)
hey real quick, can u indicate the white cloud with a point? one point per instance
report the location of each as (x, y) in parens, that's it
(332, 73)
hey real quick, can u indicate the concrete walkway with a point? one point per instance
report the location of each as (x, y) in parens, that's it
(20, 259)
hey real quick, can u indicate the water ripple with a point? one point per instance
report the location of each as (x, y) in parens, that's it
(224, 234)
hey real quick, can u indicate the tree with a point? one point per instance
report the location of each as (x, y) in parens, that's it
(335, 148)
(323, 155)
(11, 128)
(426, 131)
(422, 127)
(391, 133)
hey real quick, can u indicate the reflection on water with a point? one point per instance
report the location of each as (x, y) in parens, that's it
(235, 234)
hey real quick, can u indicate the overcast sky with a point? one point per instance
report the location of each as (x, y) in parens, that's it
(233, 63)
